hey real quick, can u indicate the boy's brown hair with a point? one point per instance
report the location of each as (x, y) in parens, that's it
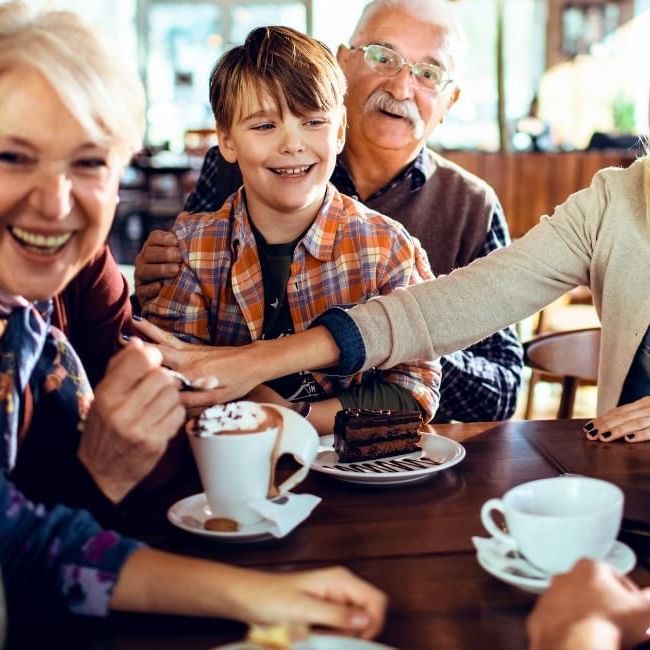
(282, 63)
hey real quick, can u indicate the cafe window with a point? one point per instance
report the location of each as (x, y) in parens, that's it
(334, 27)
(472, 123)
(117, 18)
(186, 37)
(183, 40)
(584, 25)
(249, 16)
(176, 43)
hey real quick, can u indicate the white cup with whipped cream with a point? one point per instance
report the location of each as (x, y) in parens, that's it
(236, 447)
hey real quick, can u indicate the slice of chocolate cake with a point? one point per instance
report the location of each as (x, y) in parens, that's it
(362, 434)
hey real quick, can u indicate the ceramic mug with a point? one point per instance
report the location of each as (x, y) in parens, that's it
(239, 468)
(556, 521)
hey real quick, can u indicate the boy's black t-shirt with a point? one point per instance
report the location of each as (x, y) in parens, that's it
(275, 261)
(372, 393)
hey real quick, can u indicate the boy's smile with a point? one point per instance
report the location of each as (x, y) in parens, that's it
(286, 161)
(293, 171)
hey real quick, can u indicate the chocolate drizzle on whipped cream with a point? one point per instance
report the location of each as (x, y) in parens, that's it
(236, 418)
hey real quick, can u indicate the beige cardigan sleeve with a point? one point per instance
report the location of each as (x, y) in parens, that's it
(447, 314)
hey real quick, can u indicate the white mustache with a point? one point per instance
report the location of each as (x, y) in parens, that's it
(382, 100)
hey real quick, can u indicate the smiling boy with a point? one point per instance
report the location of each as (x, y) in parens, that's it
(287, 245)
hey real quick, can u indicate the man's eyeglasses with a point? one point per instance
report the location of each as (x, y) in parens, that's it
(388, 62)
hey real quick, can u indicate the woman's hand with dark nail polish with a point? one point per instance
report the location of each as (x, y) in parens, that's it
(628, 422)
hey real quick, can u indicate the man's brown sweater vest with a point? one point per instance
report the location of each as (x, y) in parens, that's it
(450, 214)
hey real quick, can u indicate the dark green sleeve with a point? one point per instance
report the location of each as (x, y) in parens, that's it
(375, 393)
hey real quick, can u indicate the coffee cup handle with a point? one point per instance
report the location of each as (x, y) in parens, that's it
(489, 524)
(301, 444)
(297, 477)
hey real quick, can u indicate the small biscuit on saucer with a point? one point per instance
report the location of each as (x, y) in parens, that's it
(280, 636)
(221, 525)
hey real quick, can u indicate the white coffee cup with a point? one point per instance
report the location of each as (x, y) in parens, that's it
(239, 468)
(556, 521)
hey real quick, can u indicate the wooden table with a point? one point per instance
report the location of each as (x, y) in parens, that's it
(412, 541)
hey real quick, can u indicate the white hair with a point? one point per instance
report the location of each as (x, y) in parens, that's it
(101, 91)
(438, 13)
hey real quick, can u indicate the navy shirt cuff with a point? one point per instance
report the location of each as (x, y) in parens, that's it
(348, 338)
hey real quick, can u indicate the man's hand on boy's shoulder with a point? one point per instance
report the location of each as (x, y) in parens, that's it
(158, 260)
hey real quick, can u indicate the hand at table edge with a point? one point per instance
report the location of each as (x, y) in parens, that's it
(159, 582)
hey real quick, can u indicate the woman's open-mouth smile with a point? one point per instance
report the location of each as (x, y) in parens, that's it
(38, 243)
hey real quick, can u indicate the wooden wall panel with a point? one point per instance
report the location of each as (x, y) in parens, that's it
(595, 161)
(472, 161)
(498, 171)
(565, 177)
(530, 185)
(532, 182)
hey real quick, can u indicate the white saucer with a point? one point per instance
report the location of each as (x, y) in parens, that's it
(621, 557)
(392, 470)
(316, 642)
(191, 513)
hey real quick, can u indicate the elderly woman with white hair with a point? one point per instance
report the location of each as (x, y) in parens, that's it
(71, 115)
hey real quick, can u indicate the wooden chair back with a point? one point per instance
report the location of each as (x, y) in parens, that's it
(572, 356)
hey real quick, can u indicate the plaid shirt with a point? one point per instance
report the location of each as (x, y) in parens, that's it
(348, 255)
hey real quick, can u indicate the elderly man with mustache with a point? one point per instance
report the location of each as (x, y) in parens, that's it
(401, 66)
